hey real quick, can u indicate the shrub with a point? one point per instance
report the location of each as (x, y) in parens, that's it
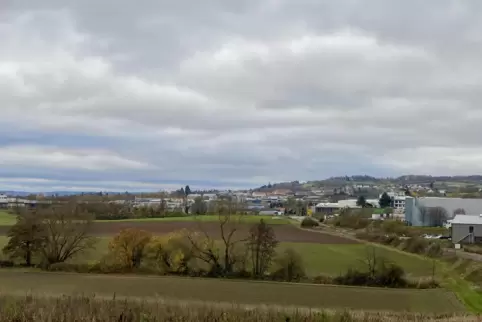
(394, 227)
(290, 267)
(171, 253)
(6, 263)
(351, 221)
(309, 222)
(415, 245)
(128, 247)
(77, 268)
(423, 283)
(390, 275)
(323, 279)
(434, 249)
(353, 277)
(370, 236)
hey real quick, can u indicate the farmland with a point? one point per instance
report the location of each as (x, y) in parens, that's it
(8, 219)
(230, 291)
(272, 220)
(96, 308)
(321, 253)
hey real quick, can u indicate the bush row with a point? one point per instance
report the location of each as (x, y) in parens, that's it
(309, 222)
(110, 211)
(358, 222)
(289, 268)
(287, 273)
(358, 278)
(416, 245)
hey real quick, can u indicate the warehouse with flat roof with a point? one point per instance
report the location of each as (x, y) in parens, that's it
(466, 229)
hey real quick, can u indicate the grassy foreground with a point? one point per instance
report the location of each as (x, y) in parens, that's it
(79, 308)
(231, 291)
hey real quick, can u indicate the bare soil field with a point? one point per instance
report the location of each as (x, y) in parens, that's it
(284, 233)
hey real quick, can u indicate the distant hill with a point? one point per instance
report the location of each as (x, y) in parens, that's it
(365, 179)
(54, 193)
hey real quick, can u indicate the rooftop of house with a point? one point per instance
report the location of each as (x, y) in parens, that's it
(328, 205)
(467, 219)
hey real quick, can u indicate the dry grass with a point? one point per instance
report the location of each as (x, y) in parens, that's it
(80, 308)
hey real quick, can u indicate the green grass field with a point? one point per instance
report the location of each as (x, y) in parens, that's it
(317, 258)
(337, 259)
(230, 291)
(7, 219)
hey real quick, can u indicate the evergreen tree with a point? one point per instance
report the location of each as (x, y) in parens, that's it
(361, 202)
(385, 200)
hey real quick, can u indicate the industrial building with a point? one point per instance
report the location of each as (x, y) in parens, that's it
(334, 207)
(413, 215)
(466, 229)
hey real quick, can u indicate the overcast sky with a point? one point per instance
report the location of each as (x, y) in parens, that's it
(154, 94)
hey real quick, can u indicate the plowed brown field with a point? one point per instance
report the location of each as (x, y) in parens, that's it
(284, 233)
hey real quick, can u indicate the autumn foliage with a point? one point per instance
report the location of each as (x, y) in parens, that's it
(128, 248)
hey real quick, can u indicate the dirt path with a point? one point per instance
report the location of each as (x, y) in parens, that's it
(462, 254)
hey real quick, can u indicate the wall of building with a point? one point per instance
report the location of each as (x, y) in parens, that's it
(461, 231)
(413, 205)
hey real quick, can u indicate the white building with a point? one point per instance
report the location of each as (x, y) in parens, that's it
(398, 199)
(330, 207)
(3, 201)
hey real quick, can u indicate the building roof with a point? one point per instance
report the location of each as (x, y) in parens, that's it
(328, 205)
(467, 219)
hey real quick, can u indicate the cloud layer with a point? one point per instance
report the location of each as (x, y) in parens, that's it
(236, 94)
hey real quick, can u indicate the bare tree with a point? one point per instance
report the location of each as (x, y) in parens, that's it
(437, 216)
(261, 244)
(372, 261)
(65, 232)
(423, 214)
(290, 266)
(459, 211)
(221, 259)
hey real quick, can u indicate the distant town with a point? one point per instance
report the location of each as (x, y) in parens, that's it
(403, 197)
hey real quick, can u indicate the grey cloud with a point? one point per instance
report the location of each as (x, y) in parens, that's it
(245, 91)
